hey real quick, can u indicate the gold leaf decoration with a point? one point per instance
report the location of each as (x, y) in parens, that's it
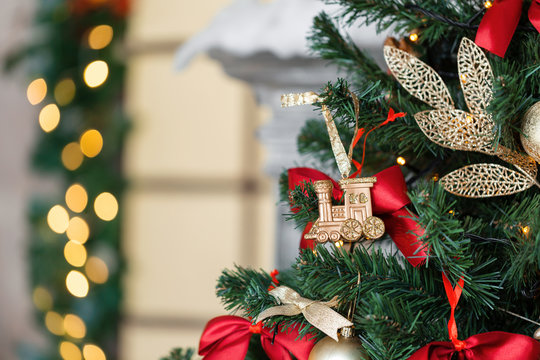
(524, 163)
(485, 180)
(457, 129)
(475, 76)
(418, 78)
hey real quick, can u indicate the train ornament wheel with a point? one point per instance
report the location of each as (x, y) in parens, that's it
(351, 230)
(313, 232)
(373, 228)
(334, 236)
(322, 236)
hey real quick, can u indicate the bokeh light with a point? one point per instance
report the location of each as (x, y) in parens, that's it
(49, 117)
(69, 351)
(91, 143)
(75, 253)
(93, 352)
(72, 156)
(97, 270)
(77, 284)
(36, 91)
(76, 198)
(96, 73)
(58, 219)
(74, 326)
(54, 323)
(78, 230)
(64, 92)
(401, 160)
(42, 298)
(100, 36)
(106, 206)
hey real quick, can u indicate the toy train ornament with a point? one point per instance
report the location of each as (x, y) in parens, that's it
(349, 222)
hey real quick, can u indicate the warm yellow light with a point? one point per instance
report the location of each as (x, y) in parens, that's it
(93, 352)
(413, 37)
(96, 73)
(64, 92)
(36, 91)
(77, 284)
(525, 229)
(91, 143)
(97, 270)
(42, 298)
(54, 323)
(76, 198)
(69, 351)
(74, 326)
(49, 117)
(100, 36)
(488, 4)
(106, 206)
(72, 157)
(435, 177)
(401, 160)
(452, 212)
(58, 219)
(339, 243)
(463, 78)
(75, 253)
(78, 230)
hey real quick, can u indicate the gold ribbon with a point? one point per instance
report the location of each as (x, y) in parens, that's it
(342, 159)
(316, 313)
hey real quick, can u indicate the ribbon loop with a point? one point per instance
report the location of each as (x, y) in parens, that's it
(453, 294)
(316, 313)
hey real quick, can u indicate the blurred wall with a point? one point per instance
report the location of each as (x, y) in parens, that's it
(198, 201)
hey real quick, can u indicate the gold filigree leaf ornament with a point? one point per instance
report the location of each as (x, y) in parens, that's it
(472, 130)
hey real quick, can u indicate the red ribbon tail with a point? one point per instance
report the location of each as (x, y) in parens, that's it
(534, 14)
(453, 294)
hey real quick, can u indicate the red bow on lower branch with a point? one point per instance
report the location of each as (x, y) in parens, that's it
(389, 199)
(500, 22)
(227, 337)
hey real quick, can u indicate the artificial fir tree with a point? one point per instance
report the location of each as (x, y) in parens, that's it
(470, 242)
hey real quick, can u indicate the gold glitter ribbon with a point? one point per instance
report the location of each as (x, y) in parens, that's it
(342, 159)
(316, 313)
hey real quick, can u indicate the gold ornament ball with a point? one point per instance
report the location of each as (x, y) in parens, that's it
(530, 137)
(348, 348)
(537, 334)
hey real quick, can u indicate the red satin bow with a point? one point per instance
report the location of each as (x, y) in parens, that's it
(389, 198)
(453, 295)
(500, 22)
(227, 337)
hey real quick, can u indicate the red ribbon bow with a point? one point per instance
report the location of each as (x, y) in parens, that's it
(494, 345)
(389, 198)
(500, 22)
(227, 337)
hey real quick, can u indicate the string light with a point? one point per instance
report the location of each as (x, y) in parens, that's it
(49, 117)
(435, 177)
(93, 352)
(452, 212)
(401, 160)
(100, 36)
(106, 206)
(76, 198)
(96, 73)
(42, 298)
(91, 143)
(75, 253)
(339, 243)
(54, 323)
(96, 270)
(69, 351)
(64, 92)
(72, 157)
(488, 4)
(525, 230)
(77, 284)
(413, 37)
(78, 230)
(74, 326)
(58, 219)
(36, 91)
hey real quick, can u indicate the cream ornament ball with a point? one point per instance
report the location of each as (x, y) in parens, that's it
(348, 348)
(530, 132)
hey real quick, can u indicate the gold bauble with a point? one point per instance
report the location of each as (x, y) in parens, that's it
(530, 132)
(537, 334)
(348, 348)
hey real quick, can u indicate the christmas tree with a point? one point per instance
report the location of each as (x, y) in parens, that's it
(457, 106)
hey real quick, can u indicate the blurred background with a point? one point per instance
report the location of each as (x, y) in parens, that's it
(140, 148)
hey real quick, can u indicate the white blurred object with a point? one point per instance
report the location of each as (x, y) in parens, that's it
(280, 27)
